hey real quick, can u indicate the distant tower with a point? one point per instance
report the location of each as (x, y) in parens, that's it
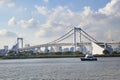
(20, 42)
(6, 48)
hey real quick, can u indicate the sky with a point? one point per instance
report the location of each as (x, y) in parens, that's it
(42, 21)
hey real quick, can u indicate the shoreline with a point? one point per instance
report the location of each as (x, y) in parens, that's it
(56, 56)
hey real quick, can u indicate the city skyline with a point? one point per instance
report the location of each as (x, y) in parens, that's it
(42, 21)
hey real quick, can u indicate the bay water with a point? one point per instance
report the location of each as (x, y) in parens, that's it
(107, 68)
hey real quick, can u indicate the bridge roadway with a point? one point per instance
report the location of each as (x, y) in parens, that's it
(64, 44)
(50, 45)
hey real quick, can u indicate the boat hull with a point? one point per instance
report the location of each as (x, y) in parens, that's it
(88, 59)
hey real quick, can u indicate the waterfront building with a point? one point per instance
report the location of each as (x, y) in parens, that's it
(72, 49)
(66, 49)
(52, 49)
(82, 49)
(58, 49)
(4, 51)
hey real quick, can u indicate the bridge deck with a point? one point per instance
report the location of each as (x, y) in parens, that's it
(63, 44)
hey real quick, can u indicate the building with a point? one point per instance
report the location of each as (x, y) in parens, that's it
(58, 49)
(4, 51)
(72, 49)
(66, 49)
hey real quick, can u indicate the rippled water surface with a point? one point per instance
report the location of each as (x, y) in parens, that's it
(60, 69)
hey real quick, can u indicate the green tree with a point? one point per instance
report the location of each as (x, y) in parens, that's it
(106, 52)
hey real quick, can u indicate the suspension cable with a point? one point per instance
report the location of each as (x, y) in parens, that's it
(61, 36)
(89, 36)
(85, 36)
(65, 37)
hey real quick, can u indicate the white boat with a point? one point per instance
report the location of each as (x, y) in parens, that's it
(89, 57)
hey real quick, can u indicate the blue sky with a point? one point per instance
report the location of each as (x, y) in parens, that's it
(41, 21)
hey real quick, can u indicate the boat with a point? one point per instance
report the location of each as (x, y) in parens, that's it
(89, 57)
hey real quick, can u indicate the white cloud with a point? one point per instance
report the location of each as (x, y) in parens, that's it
(12, 22)
(22, 35)
(46, 1)
(5, 33)
(98, 23)
(42, 10)
(40, 33)
(112, 34)
(87, 11)
(31, 23)
(22, 9)
(112, 8)
(101, 24)
(57, 19)
(8, 3)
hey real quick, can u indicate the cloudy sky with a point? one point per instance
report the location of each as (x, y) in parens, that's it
(42, 21)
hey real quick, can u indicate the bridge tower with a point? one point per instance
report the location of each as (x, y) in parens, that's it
(75, 36)
(20, 42)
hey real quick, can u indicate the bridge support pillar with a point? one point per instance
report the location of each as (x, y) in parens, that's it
(46, 49)
(74, 41)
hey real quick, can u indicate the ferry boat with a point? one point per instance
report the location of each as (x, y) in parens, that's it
(89, 57)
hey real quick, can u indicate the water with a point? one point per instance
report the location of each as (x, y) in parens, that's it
(60, 69)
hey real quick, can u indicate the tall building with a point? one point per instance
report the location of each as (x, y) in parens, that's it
(6, 48)
(4, 51)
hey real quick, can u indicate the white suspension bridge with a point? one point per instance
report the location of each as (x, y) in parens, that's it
(75, 32)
